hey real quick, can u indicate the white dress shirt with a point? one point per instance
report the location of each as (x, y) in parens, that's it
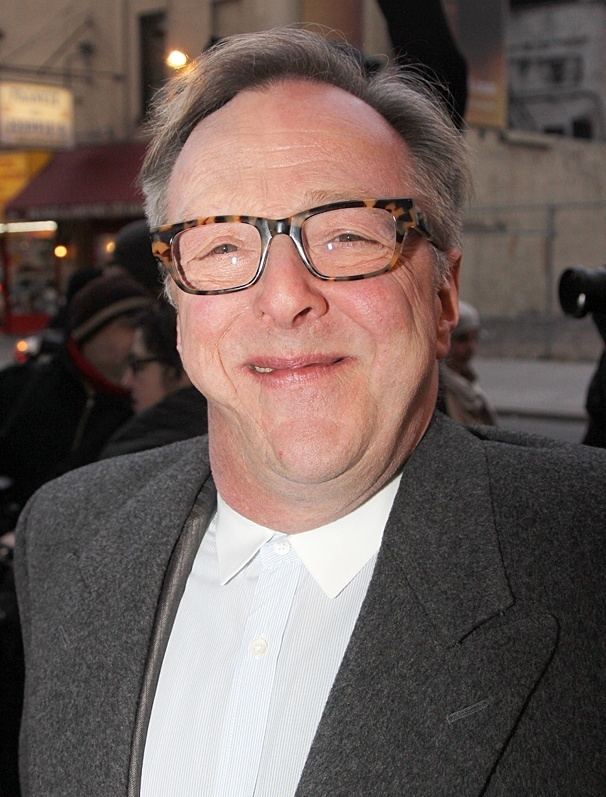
(258, 638)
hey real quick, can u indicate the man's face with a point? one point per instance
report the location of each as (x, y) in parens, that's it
(308, 382)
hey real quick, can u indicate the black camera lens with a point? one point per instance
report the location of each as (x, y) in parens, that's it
(583, 291)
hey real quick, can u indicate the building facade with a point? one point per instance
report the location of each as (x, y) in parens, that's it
(111, 53)
(557, 67)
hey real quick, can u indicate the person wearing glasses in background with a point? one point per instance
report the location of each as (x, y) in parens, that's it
(167, 406)
(343, 592)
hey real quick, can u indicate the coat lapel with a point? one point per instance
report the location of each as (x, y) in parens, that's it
(442, 660)
(178, 570)
(111, 613)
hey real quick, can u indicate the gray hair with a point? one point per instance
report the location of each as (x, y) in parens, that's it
(254, 60)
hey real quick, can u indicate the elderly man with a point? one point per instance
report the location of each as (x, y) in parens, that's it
(343, 593)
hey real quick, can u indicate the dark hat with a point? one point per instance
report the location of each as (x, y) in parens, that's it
(133, 252)
(101, 301)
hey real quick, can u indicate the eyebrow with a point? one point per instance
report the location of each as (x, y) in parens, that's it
(320, 197)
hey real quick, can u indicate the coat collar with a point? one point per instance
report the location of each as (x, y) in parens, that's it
(138, 537)
(441, 533)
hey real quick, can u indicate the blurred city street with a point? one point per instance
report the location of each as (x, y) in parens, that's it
(539, 396)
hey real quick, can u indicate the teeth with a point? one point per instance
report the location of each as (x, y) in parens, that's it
(261, 370)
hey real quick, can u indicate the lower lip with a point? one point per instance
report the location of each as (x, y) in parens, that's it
(300, 375)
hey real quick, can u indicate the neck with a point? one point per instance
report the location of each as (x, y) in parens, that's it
(285, 504)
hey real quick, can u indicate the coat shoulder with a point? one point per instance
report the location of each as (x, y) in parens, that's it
(549, 505)
(522, 457)
(99, 489)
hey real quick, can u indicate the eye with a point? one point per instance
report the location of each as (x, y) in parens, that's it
(349, 237)
(223, 249)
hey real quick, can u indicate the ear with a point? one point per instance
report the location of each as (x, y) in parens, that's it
(177, 322)
(448, 304)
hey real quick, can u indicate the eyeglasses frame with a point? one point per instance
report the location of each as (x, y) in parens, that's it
(137, 364)
(403, 210)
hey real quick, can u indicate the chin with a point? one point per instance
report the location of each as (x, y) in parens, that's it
(314, 456)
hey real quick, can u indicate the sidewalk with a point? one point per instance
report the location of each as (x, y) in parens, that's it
(535, 388)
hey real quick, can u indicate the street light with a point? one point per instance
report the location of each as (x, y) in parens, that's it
(176, 59)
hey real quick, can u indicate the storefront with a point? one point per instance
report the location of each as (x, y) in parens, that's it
(68, 216)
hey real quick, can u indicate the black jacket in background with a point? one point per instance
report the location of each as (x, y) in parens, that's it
(53, 419)
(180, 415)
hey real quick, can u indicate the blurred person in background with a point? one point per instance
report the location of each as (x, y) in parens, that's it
(460, 395)
(132, 255)
(45, 343)
(57, 415)
(75, 283)
(167, 406)
(56, 412)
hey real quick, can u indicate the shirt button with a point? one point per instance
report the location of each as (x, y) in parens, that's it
(258, 647)
(281, 547)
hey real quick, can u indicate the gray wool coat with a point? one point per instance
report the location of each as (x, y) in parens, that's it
(477, 665)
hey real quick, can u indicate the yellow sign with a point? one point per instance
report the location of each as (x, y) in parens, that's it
(16, 170)
(36, 115)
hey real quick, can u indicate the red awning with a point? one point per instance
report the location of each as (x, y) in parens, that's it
(87, 182)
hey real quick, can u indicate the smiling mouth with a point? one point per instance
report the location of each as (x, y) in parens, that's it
(295, 365)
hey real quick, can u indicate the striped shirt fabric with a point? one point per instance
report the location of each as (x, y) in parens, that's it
(257, 641)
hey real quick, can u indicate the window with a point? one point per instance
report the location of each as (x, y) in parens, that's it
(152, 45)
(556, 70)
(582, 127)
(555, 130)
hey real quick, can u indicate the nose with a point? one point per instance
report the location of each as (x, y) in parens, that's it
(127, 378)
(287, 294)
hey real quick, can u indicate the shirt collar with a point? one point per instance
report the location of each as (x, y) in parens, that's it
(333, 554)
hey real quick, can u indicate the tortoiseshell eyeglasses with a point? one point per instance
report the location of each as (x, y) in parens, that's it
(349, 240)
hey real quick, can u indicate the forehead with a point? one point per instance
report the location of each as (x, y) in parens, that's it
(285, 147)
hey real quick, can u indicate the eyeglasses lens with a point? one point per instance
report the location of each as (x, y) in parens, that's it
(217, 256)
(350, 242)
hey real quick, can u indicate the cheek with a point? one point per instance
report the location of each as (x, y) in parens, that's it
(396, 311)
(204, 324)
(194, 330)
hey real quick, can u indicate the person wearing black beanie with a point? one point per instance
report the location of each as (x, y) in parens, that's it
(133, 255)
(60, 413)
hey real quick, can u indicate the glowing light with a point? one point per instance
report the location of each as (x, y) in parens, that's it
(29, 226)
(176, 59)
(60, 251)
(21, 346)
(110, 247)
